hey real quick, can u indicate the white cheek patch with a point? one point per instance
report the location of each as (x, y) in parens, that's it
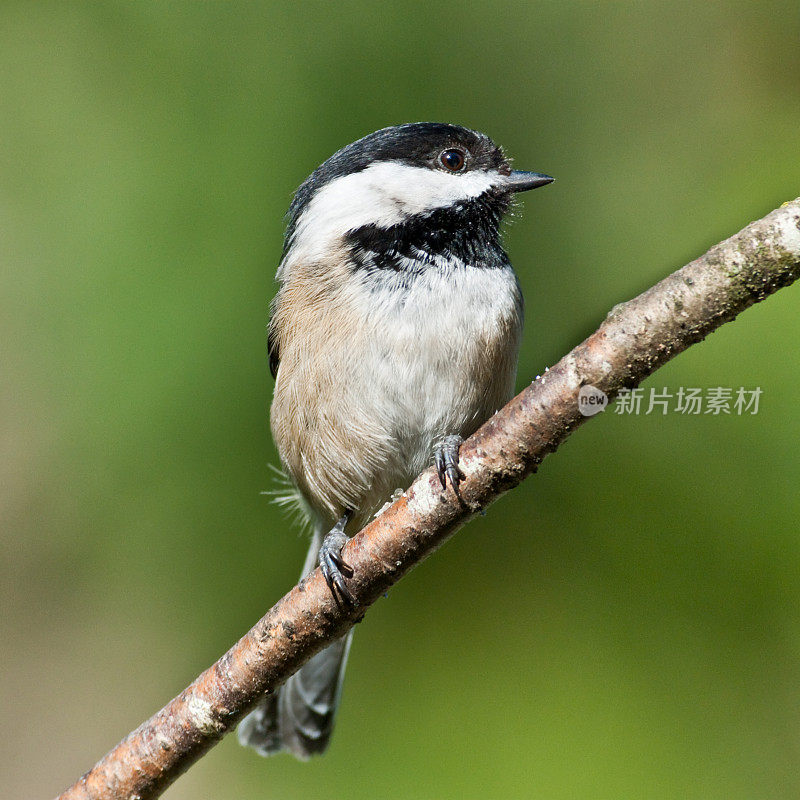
(383, 194)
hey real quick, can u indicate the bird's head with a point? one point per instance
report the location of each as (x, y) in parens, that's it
(407, 175)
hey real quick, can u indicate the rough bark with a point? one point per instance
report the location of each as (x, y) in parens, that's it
(636, 338)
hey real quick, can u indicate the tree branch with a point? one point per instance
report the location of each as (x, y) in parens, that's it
(636, 339)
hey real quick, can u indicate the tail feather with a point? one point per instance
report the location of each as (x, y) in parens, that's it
(299, 717)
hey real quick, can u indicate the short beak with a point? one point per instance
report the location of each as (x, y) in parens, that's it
(519, 181)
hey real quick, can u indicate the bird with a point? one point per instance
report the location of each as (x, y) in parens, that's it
(393, 336)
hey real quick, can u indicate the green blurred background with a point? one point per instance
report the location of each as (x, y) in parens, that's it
(625, 625)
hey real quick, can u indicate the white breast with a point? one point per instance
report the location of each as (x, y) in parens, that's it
(442, 356)
(377, 365)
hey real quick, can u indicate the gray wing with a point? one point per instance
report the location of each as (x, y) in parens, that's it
(273, 347)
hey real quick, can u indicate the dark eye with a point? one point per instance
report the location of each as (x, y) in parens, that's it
(452, 160)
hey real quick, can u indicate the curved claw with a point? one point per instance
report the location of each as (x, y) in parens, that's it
(334, 567)
(446, 456)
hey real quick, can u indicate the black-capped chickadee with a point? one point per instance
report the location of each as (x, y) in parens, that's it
(394, 334)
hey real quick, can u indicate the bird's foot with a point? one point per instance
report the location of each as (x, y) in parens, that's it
(333, 567)
(446, 456)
